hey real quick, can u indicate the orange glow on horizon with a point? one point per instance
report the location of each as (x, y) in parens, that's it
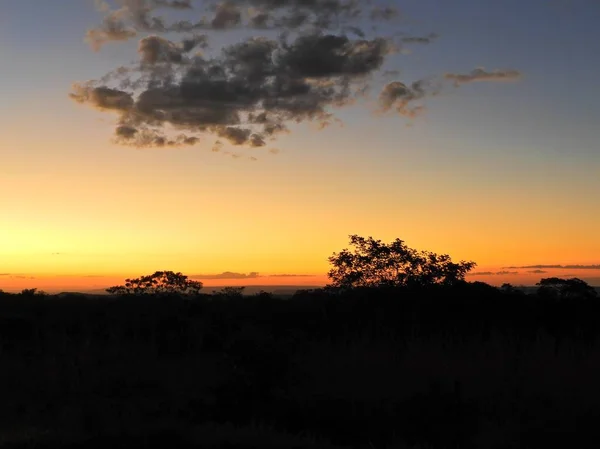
(97, 283)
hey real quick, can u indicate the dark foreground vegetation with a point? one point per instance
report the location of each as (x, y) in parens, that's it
(442, 365)
(469, 367)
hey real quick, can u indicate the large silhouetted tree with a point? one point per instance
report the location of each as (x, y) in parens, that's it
(376, 264)
(161, 282)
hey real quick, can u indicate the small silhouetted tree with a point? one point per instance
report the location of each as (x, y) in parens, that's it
(264, 295)
(33, 293)
(159, 283)
(558, 288)
(376, 264)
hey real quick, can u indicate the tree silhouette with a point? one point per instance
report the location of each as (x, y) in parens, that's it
(33, 293)
(161, 282)
(376, 264)
(558, 288)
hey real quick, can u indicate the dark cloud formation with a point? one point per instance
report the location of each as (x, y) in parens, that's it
(125, 19)
(480, 74)
(537, 271)
(306, 58)
(493, 273)
(567, 266)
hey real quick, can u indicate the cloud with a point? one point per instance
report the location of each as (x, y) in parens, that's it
(16, 276)
(537, 271)
(113, 28)
(234, 275)
(133, 17)
(420, 39)
(303, 61)
(384, 12)
(226, 275)
(401, 97)
(480, 74)
(566, 266)
(493, 273)
(289, 275)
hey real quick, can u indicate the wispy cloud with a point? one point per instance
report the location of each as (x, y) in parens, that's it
(559, 266)
(288, 275)
(235, 275)
(493, 273)
(226, 275)
(16, 276)
(480, 74)
(537, 271)
(420, 39)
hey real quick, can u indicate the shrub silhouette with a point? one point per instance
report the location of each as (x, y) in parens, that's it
(376, 264)
(558, 288)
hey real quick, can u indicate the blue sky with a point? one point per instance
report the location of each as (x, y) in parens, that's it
(503, 158)
(551, 110)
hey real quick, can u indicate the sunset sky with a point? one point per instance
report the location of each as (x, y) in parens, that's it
(478, 137)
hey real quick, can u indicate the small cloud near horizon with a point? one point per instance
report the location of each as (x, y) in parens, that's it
(493, 273)
(16, 276)
(226, 275)
(288, 275)
(559, 266)
(234, 275)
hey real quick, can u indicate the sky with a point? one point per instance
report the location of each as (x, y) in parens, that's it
(242, 145)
